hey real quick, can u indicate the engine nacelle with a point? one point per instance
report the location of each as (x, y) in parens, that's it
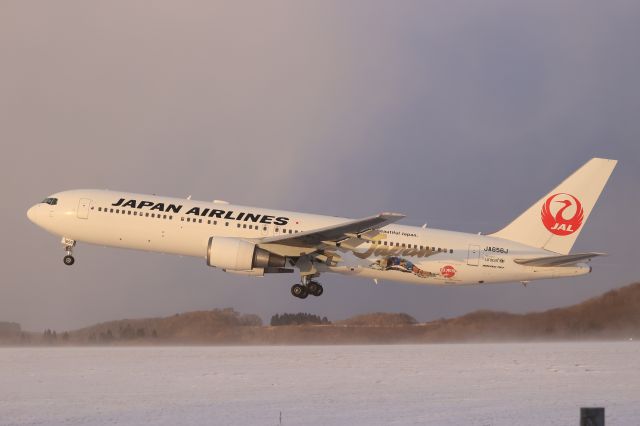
(234, 254)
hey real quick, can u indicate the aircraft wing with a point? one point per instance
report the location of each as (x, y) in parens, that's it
(334, 235)
(563, 260)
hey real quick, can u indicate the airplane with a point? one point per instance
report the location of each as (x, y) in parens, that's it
(257, 241)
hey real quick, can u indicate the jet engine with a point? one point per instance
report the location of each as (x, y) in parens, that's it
(235, 255)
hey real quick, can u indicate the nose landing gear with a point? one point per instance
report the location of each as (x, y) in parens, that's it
(68, 248)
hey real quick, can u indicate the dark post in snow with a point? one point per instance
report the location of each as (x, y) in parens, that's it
(592, 416)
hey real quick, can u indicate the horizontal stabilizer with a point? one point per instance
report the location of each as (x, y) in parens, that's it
(566, 260)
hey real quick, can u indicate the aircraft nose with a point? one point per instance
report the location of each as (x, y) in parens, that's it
(31, 214)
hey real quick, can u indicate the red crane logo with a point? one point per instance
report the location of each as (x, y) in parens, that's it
(448, 271)
(555, 211)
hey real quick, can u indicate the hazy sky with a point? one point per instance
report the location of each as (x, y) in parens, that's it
(456, 113)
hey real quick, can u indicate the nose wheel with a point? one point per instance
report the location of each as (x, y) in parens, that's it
(68, 248)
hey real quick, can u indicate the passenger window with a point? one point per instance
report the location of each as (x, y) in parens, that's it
(146, 214)
(182, 219)
(226, 224)
(244, 226)
(451, 251)
(170, 217)
(264, 228)
(199, 220)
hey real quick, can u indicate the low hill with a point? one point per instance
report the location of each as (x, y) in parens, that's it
(613, 315)
(214, 325)
(379, 319)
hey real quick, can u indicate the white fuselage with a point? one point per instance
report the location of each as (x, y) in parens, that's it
(183, 227)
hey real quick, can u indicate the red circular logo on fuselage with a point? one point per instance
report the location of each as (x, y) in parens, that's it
(447, 271)
(562, 214)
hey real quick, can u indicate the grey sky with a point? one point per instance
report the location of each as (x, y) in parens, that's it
(456, 113)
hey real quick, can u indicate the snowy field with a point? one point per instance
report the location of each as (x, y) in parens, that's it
(475, 384)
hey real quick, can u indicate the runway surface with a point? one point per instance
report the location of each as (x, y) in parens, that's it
(472, 384)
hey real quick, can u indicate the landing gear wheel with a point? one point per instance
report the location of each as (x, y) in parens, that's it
(68, 260)
(299, 291)
(315, 288)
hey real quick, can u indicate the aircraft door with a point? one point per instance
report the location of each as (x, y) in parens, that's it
(83, 208)
(474, 255)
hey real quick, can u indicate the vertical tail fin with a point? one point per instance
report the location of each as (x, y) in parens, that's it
(555, 221)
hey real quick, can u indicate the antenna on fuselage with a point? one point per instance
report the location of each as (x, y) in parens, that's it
(189, 197)
(424, 226)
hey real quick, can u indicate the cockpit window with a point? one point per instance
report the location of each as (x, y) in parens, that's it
(50, 201)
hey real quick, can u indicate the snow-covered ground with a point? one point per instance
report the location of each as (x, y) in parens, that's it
(471, 384)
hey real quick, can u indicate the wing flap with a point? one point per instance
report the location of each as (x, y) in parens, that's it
(334, 235)
(564, 260)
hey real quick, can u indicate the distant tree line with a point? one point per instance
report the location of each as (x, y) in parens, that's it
(126, 332)
(8, 329)
(298, 319)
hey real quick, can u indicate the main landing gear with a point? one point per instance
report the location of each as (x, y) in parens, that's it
(68, 248)
(307, 287)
